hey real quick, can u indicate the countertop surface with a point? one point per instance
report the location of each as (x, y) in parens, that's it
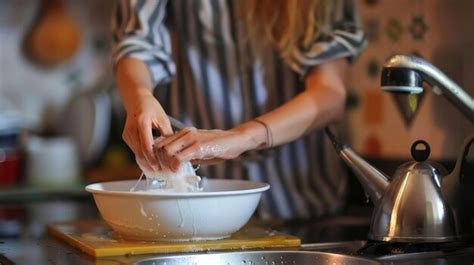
(24, 240)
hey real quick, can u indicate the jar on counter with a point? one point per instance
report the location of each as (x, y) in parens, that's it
(10, 166)
(51, 162)
(10, 154)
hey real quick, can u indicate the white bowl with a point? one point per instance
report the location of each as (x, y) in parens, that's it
(221, 209)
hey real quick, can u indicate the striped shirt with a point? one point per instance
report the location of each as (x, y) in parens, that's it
(218, 80)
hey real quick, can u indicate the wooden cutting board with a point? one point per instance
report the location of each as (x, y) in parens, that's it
(97, 239)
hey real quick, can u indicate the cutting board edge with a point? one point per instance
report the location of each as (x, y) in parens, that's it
(179, 249)
(71, 240)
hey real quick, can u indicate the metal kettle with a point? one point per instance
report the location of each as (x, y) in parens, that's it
(421, 202)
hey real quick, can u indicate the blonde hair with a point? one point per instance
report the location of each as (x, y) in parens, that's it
(287, 24)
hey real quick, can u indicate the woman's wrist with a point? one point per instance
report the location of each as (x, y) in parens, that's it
(133, 97)
(254, 135)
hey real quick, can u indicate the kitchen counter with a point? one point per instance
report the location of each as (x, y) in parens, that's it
(23, 237)
(24, 240)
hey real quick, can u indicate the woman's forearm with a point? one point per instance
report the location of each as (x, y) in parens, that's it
(133, 81)
(321, 103)
(144, 112)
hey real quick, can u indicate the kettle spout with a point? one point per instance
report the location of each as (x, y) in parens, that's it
(373, 180)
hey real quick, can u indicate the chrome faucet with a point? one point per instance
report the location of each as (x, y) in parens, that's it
(405, 74)
(421, 202)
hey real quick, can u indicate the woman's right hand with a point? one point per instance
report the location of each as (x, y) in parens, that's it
(145, 113)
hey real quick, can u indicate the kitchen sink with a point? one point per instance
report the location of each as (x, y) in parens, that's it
(335, 253)
(260, 258)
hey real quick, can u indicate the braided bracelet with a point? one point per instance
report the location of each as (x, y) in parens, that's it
(268, 132)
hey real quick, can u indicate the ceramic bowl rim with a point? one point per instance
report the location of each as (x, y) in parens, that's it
(260, 187)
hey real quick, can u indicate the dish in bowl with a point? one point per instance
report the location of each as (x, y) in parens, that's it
(222, 208)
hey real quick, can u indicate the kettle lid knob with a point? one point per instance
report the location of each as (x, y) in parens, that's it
(420, 155)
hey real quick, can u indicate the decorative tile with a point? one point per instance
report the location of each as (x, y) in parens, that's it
(372, 146)
(352, 100)
(418, 27)
(373, 107)
(372, 29)
(394, 29)
(371, 3)
(373, 68)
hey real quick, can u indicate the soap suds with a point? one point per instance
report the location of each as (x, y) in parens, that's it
(183, 180)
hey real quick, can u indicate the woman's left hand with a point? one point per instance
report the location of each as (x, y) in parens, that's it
(200, 146)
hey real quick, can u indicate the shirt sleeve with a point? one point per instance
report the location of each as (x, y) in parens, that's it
(344, 38)
(139, 32)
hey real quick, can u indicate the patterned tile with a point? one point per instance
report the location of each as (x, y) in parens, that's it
(372, 146)
(372, 29)
(373, 68)
(394, 29)
(373, 107)
(418, 27)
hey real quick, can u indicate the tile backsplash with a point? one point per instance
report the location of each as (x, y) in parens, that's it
(436, 30)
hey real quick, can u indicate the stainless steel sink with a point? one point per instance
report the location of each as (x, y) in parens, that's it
(335, 253)
(260, 258)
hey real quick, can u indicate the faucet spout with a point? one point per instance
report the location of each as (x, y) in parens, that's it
(403, 73)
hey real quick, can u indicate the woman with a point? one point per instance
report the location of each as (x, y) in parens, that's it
(250, 75)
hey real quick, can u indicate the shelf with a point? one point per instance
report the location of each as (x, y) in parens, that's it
(25, 194)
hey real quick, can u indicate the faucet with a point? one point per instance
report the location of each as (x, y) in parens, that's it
(405, 74)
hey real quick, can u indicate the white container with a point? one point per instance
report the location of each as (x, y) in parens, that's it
(221, 209)
(51, 162)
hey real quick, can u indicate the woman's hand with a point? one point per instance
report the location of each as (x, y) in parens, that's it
(143, 115)
(202, 146)
(144, 112)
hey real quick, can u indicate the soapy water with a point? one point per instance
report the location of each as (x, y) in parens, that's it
(183, 180)
(211, 151)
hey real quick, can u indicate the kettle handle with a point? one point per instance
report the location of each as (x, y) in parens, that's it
(462, 160)
(420, 155)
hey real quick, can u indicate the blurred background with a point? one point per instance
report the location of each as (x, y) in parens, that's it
(61, 119)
